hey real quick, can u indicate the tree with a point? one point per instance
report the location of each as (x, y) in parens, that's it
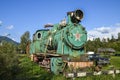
(8, 61)
(112, 38)
(25, 40)
(118, 36)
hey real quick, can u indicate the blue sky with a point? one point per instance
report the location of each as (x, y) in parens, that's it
(101, 17)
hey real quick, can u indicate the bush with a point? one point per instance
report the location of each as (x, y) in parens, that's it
(8, 61)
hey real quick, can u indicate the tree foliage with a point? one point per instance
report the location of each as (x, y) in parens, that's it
(25, 40)
(8, 61)
(105, 43)
(118, 36)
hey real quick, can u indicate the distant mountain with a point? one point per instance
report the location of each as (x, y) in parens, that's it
(3, 38)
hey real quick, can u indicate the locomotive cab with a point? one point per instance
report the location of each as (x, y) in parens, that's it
(37, 35)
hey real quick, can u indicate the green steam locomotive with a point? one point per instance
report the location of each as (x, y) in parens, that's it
(62, 46)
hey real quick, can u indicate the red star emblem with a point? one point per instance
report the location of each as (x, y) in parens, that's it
(77, 36)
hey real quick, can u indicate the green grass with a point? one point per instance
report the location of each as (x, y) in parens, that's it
(31, 71)
(115, 60)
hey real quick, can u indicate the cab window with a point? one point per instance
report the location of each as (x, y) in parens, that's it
(39, 35)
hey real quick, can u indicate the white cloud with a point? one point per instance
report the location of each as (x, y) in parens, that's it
(104, 32)
(10, 27)
(0, 23)
(13, 39)
(117, 24)
(6, 34)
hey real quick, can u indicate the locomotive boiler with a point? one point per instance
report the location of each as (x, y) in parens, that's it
(62, 46)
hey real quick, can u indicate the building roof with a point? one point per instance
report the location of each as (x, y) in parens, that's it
(106, 50)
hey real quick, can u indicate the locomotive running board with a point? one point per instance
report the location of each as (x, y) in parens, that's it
(47, 54)
(83, 74)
